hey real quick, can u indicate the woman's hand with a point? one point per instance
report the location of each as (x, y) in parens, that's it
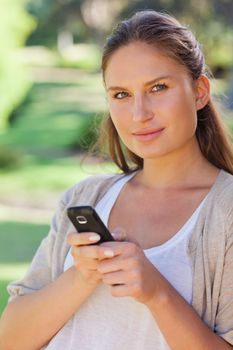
(121, 265)
(129, 272)
(87, 255)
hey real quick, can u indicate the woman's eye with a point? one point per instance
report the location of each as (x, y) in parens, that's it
(159, 87)
(120, 95)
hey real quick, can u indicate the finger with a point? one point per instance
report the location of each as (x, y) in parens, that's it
(112, 278)
(119, 234)
(122, 248)
(83, 252)
(92, 252)
(111, 265)
(82, 238)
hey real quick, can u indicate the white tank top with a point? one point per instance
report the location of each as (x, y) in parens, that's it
(105, 322)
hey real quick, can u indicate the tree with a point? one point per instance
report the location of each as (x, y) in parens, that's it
(15, 25)
(86, 20)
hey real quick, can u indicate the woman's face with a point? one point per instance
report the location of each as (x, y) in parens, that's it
(152, 100)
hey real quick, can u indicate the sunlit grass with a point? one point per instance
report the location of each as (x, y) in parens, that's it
(19, 240)
(3, 294)
(12, 272)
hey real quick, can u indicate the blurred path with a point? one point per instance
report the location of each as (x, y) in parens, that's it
(25, 214)
(52, 74)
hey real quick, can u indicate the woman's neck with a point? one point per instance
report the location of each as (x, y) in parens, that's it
(180, 169)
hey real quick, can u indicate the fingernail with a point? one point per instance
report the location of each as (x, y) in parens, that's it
(109, 253)
(94, 238)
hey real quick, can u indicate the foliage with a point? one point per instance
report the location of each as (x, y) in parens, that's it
(217, 39)
(210, 19)
(224, 9)
(15, 25)
(9, 158)
(88, 133)
(86, 20)
(53, 16)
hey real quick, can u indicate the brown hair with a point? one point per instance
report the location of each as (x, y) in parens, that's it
(165, 32)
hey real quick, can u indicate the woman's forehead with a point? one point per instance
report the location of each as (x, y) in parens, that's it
(140, 60)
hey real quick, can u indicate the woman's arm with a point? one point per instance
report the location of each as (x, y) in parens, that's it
(30, 321)
(180, 324)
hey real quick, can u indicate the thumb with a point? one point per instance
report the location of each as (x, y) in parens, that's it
(119, 234)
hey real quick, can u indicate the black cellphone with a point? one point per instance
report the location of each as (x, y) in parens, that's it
(85, 219)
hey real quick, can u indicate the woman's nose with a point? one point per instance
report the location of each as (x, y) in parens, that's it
(141, 109)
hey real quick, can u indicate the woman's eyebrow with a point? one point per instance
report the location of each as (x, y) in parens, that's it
(162, 77)
(116, 88)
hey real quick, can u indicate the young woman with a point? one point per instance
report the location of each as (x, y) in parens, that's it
(166, 282)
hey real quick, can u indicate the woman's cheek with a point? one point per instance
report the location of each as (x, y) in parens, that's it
(117, 113)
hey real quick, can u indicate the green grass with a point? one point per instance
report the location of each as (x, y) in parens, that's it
(52, 117)
(19, 241)
(3, 293)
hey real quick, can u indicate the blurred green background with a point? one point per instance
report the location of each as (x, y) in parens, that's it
(52, 101)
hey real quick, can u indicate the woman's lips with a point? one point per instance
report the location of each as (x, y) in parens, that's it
(147, 135)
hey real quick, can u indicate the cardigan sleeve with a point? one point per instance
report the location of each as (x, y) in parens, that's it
(39, 273)
(224, 317)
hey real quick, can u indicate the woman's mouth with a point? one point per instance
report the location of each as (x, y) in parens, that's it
(147, 135)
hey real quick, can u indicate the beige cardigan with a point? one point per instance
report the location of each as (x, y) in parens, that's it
(210, 248)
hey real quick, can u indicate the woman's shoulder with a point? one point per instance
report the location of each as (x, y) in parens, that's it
(220, 197)
(223, 187)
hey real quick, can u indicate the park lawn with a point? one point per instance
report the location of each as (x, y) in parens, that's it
(19, 242)
(52, 119)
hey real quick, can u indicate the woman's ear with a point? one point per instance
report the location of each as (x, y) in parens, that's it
(202, 86)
